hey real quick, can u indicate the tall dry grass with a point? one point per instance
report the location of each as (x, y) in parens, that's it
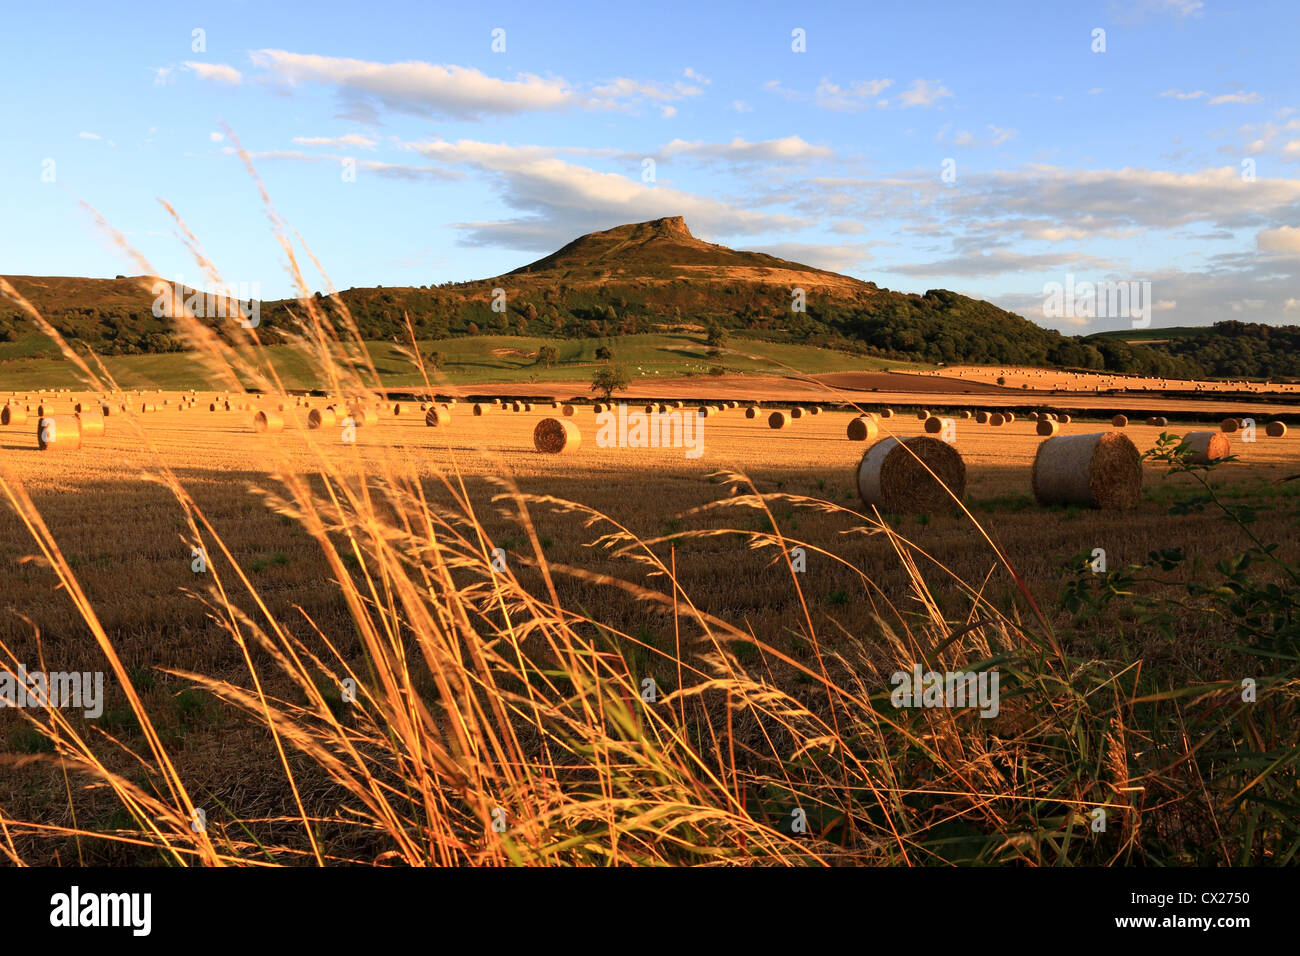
(486, 721)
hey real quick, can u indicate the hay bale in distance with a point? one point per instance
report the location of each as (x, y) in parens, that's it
(567, 411)
(556, 435)
(996, 419)
(1047, 428)
(933, 425)
(796, 412)
(1008, 417)
(922, 414)
(778, 420)
(891, 477)
(862, 428)
(1229, 426)
(751, 411)
(479, 408)
(363, 414)
(1063, 419)
(92, 423)
(1275, 429)
(1206, 447)
(437, 416)
(886, 413)
(1102, 470)
(13, 415)
(815, 410)
(322, 418)
(267, 421)
(1119, 421)
(58, 433)
(982, 417)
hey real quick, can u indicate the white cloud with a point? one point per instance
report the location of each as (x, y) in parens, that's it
(668, 112)
(559, 200)
(1285, 239)
(216, 137)
(84, 135)
(696, 76)
(216, 72)
(351, 139)
(162, 75)
(789, 148)
(740, 106)
(414, 86)
(1180, 95)
(924, 93)
(1236, 98)
(855, 96)
(459, 92)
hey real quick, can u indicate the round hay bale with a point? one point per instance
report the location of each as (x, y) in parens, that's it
(751, 412)
(92, 423)
(1120, 421)
(528, 406)
(886, 413)
(397, 408)
(567, 411)
(1102, 470)
(1275, 429)
(996, 419)
(437, 416)
(1047, 428)
(1008, 417)
(1063, 419)
(778, 420)
(322, 418)
(796, 412)
(1034, 416)
(1229, 425)
(555, 435)
(1206, 447)
(13, 415)
(1160, 422)
(891, 477)
(148, 407)
(922, 414)
(965, 414)
(982, 417)
(265, 421)
(651, 409)
(58, 433)
(598, 408)
(479, 408)
(815, 410)
(862, 428)
(933, 425)
(363, 415)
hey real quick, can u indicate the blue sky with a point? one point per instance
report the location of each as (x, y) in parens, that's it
(1172, 157)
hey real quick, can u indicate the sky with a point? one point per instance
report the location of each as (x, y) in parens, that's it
(991, 149)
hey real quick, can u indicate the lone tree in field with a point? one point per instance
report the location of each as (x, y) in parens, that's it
(435, 360)
(608, 380)
(547, 356)
(717, 336)
(605, 353)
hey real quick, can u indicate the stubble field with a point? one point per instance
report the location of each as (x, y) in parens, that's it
(120, 529)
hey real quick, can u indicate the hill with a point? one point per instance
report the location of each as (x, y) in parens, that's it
(648, 278)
